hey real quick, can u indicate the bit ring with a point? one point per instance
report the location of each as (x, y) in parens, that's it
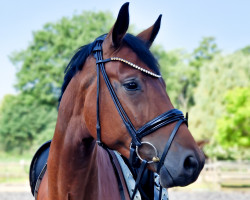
(154, 159)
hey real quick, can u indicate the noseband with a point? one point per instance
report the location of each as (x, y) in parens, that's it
(164, 119)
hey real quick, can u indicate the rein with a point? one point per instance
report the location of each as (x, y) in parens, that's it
(164, 119)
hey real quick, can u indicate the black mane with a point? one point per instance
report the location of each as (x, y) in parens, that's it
(77, 61)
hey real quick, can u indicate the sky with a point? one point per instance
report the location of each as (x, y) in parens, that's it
(184, 24)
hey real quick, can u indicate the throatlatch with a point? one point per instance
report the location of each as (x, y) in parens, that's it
(173, 115)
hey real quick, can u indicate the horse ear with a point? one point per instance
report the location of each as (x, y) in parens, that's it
(149, 35)
(120, 27)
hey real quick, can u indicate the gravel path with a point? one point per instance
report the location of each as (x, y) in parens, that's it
(16, 196)
(173, 195)
(207, 195)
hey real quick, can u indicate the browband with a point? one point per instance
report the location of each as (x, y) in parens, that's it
(130, 64)
(135, 66)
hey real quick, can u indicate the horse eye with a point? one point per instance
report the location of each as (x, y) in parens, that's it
(131, 86)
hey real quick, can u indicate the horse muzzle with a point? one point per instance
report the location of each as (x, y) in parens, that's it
(181, 172)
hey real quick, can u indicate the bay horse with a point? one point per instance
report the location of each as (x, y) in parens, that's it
(114, 98)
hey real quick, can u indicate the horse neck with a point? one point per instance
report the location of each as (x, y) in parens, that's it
(77, 165)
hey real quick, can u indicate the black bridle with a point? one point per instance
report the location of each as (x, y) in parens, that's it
(164, 119)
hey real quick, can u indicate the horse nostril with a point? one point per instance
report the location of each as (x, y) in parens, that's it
(190, 164)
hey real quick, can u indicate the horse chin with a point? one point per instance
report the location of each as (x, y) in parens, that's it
(166, 179)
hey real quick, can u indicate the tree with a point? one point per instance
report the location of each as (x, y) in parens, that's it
(234, 126)
(181, 70)
(232, 137)
(217, 77)
(176, 73)
(206, 51)
(23, 121)
(29, 118)
(246, 50)
(40, 67)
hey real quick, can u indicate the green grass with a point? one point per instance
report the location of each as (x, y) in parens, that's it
(10, 157)
(14, 168)
(13, 172)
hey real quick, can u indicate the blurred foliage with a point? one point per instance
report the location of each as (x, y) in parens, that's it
(41, 64)
(176, 73)
(181, 70)
(217, 152)
(206, 51)
(24, 121)
(217, 77)
(29, 118)
(234, 126)
(246, 50)
(232, 138)
(203, 54)
(223, 74)
(212, 86)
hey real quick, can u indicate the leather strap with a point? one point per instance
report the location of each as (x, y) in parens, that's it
(137, 182)
(168, 144)
(160, 121)
(118, 178)
(100, 67)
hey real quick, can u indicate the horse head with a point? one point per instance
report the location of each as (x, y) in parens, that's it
(121, 99)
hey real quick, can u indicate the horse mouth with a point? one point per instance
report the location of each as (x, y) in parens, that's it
(167, 180)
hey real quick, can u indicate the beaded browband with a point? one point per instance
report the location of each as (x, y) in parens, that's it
(135, 66)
